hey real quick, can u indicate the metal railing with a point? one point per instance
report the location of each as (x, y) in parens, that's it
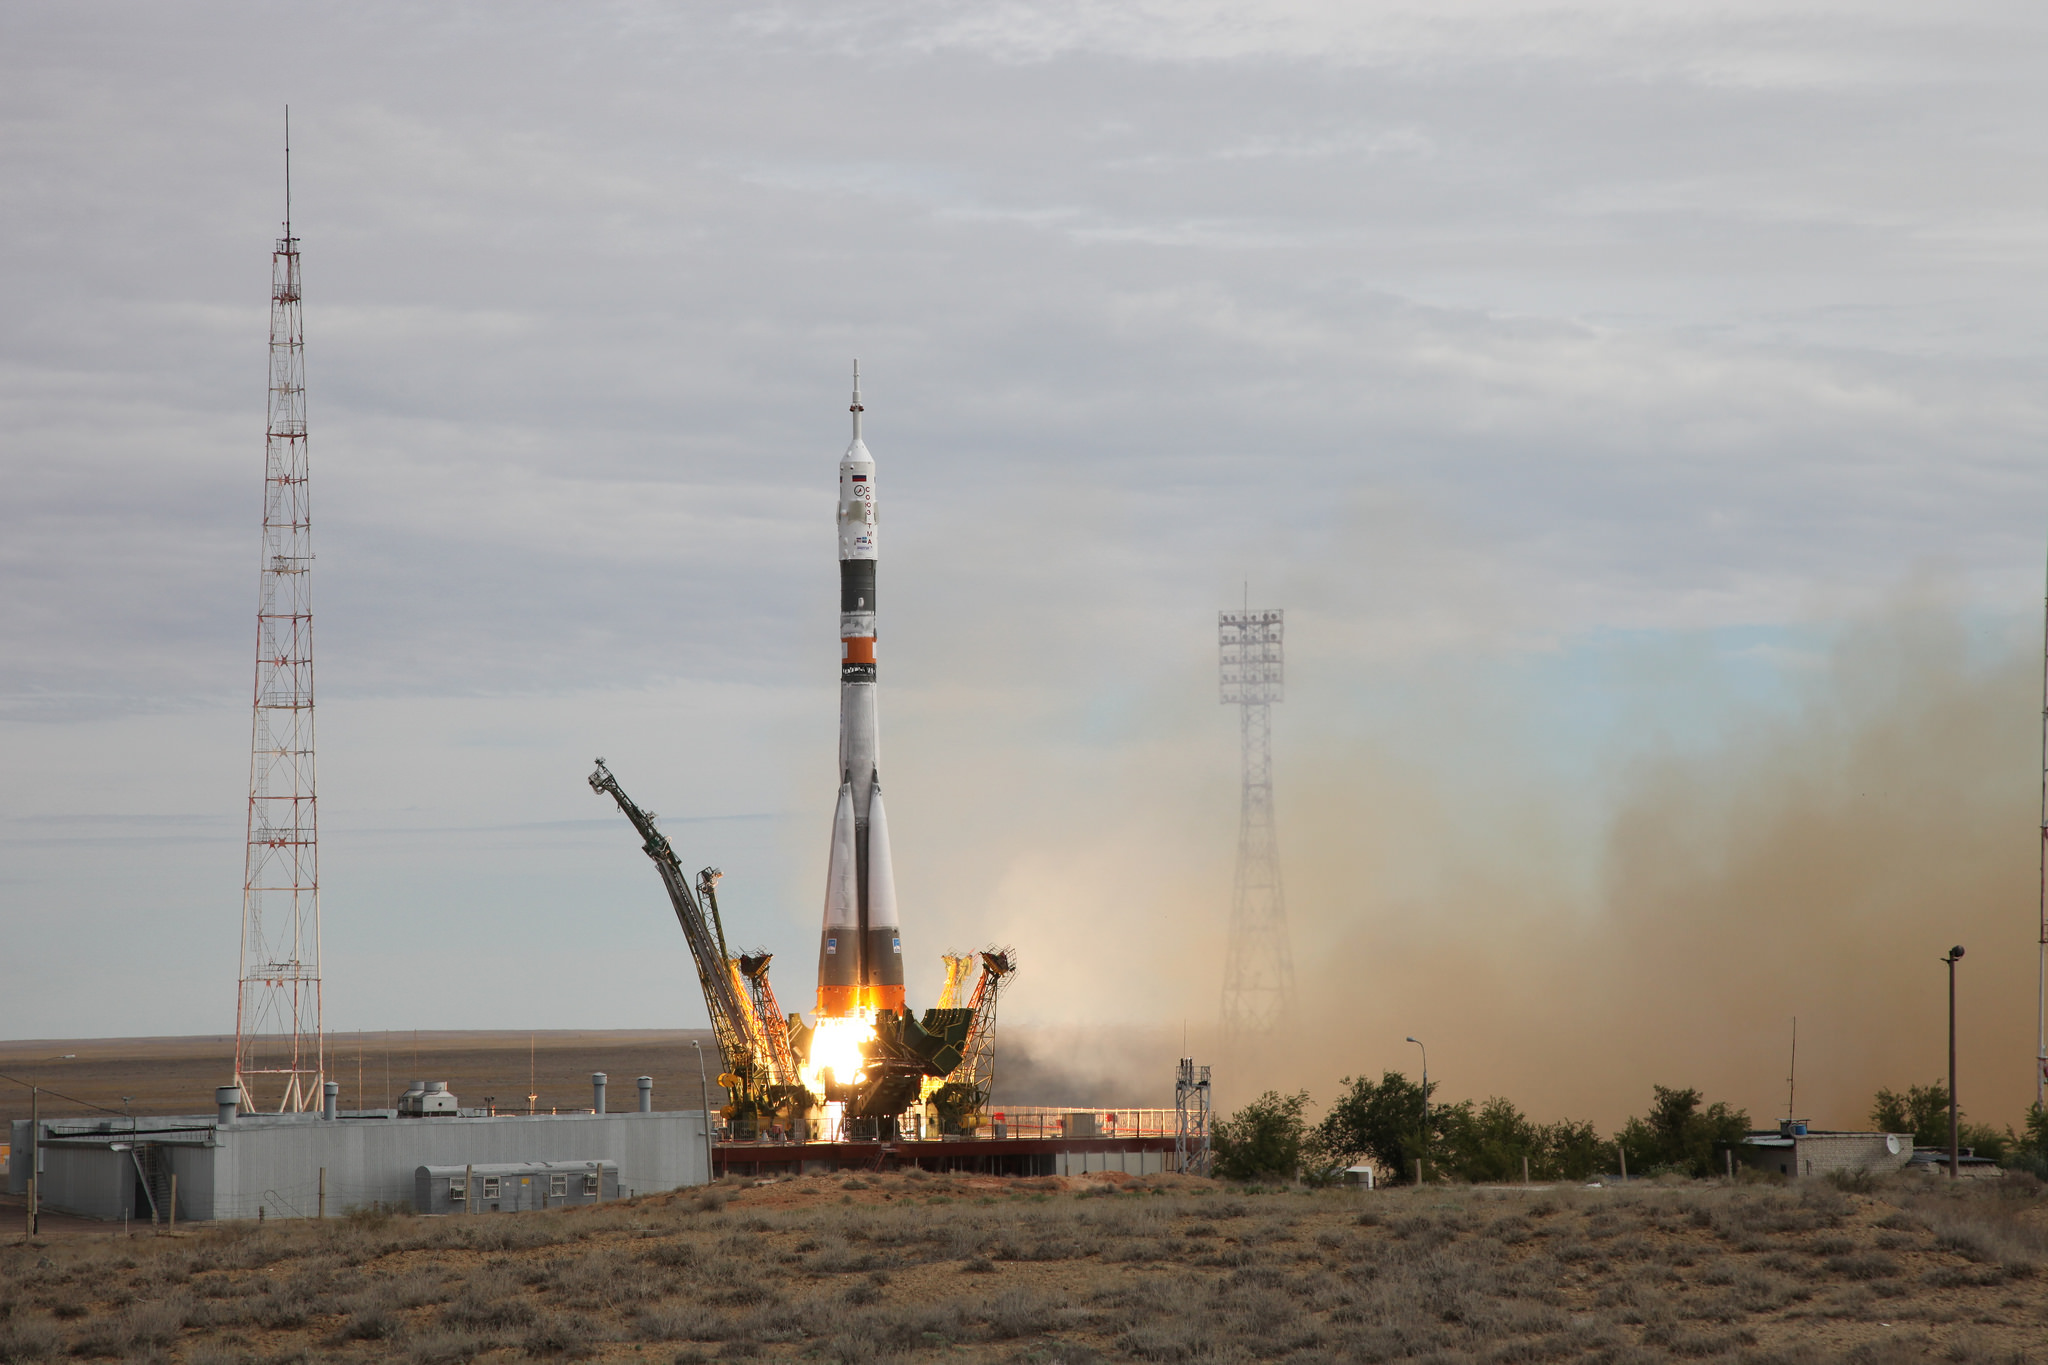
(1013, 1121)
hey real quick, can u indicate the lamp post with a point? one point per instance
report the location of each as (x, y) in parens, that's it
(704, 1098)
(1425, 1107)
(1955, 1151)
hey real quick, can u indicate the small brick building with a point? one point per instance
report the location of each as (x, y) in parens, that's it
(1797, 1150)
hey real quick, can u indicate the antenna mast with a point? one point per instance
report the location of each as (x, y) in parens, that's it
(1792, 1075)
(1258, 967)
(280, 1043)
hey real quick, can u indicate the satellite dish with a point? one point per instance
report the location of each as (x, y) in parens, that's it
(1891, 1143)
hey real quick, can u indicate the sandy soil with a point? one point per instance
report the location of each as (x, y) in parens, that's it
(853, 1270)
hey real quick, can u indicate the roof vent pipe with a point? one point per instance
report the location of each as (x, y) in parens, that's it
(227, 1099)
(646, 1084)
(330, 1100)
(597, 1079)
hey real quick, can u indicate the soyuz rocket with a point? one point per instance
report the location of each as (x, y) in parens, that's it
(860, 953)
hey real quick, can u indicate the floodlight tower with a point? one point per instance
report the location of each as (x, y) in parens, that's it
(280, 1045)
(1258, 968)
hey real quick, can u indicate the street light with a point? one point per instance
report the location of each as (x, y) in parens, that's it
(1425, 1107)
(1955, 1157)
(704, 1098)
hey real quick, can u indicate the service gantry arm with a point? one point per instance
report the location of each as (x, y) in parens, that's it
(728, 1009)
(978, 1065)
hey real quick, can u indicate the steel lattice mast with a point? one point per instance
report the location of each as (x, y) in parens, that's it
(279, 1041)
(1258, 969)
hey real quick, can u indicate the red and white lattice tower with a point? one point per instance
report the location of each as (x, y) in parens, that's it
(279, 1042)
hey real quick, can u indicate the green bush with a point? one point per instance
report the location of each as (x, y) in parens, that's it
(2031, 1150)
(1489, 1143)
(1921, 1111)
(1383, 1120)
(1263, 1140)
(1379, 1120)
(1677, 1135)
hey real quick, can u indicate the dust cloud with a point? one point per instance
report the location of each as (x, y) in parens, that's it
(1660, 919)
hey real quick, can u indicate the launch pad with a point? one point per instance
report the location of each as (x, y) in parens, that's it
(865, 1067)
(867, 1083)
(1033, 1141)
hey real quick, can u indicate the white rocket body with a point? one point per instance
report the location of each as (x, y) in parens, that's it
(860, 958)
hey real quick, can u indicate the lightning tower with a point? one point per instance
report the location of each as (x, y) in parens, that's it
(279, 1041)
(1258, 968)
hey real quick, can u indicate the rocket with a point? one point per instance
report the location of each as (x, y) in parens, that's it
(860, 953)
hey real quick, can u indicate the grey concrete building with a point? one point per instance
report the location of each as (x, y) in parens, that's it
(296, 1165)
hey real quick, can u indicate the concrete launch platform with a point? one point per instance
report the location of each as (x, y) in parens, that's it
(981, 1156)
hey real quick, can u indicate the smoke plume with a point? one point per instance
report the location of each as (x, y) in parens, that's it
(1560, 927)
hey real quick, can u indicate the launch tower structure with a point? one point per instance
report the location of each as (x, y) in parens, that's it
(1258, 968)
(280, 1042)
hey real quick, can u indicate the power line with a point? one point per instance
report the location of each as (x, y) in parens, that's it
(34, 1085)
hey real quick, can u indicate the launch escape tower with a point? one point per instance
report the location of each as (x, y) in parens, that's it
(1258, 968)
(279, 1041)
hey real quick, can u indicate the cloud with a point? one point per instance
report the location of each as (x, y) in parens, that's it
(1619, 356)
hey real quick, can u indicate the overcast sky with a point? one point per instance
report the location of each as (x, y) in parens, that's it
(1574, 374)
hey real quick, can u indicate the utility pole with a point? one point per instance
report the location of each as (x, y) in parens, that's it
(35, 1157)
(280, 1040)
(1955, 1156)
(1258, 966)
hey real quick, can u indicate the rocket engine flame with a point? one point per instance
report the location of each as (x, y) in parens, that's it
(839, 1044)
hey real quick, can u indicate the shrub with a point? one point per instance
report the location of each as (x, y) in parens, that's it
(369, 1324)
(561, 1336)
(27, 1341)
(1263, 1140)
(1677, 1135)
(1381, 1120)
(1921, 1111)
(1020, 1313)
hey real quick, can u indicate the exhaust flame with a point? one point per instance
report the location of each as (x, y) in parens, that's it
(839, 1045)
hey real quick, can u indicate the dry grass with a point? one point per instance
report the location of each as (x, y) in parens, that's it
(883, 1268)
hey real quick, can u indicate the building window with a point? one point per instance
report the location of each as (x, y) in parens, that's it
(590, 1184)
(490, 1187)
(458, 1192)
(558, 1184)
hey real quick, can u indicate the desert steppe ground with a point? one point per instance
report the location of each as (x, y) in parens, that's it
(178, 1075)
(853, 1269)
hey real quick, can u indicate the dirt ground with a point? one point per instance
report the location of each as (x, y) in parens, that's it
(857, 1269)
(178, 1075)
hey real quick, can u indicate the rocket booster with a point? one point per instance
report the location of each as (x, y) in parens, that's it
(860, 954)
